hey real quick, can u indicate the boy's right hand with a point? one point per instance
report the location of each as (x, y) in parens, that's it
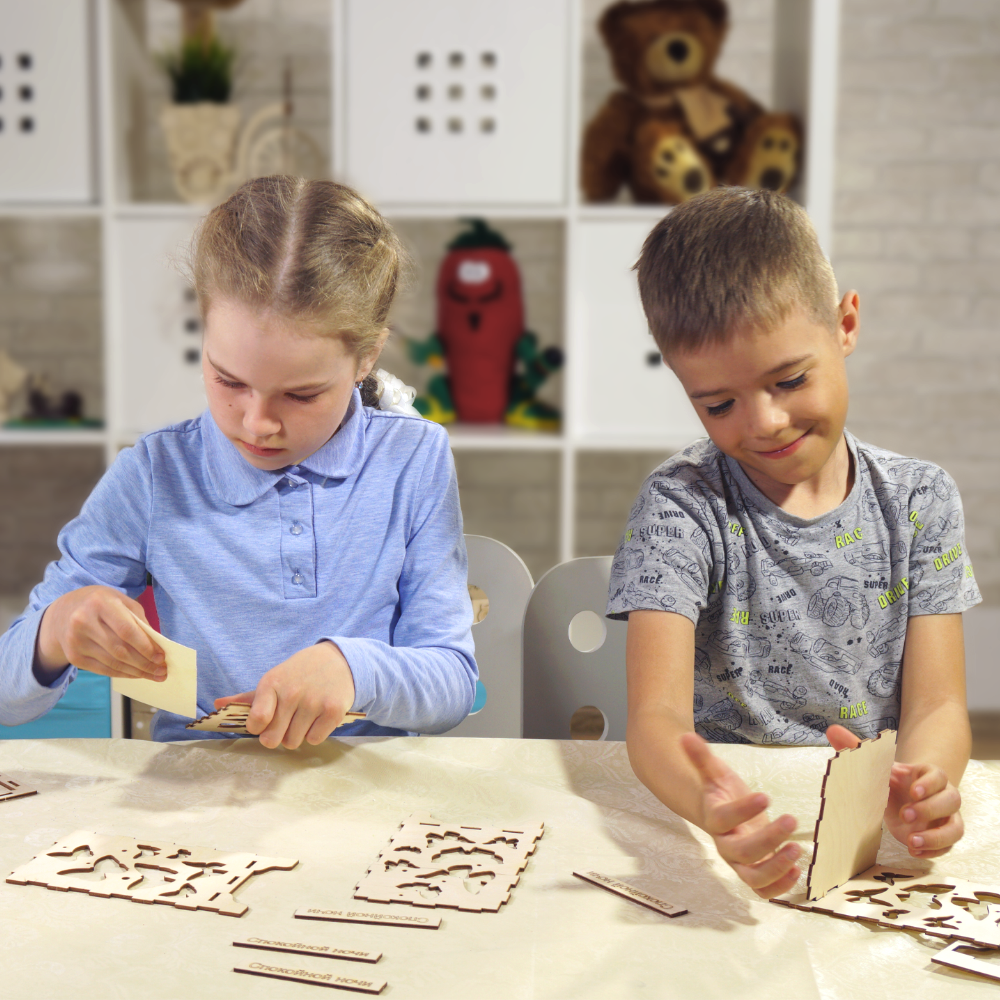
(737, 822)
(92, 629)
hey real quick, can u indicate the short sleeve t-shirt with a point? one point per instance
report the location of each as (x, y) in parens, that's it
(798, 623)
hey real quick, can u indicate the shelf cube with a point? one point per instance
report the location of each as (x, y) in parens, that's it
(457, 102)
(46, 142)
(160, 326)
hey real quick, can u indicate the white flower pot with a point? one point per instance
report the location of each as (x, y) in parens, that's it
(201, 139)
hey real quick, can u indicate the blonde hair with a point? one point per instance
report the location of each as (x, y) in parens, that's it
(314, 250)
(732, 261)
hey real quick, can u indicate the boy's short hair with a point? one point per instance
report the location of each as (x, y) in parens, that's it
(730, 261)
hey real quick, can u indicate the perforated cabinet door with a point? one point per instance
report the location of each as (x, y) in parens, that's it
(159, 326)
(46, 142)
(628, 392)
(456, 100)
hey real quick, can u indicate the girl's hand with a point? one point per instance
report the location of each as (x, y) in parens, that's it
(737, 822)
(304, 698)
(91, 628)
(922, 811)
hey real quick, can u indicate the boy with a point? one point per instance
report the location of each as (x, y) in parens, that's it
(783, 576)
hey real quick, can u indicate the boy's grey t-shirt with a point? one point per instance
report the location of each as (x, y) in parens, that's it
(798, 623)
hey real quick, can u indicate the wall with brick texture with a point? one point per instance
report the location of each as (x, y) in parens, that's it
(917, 232)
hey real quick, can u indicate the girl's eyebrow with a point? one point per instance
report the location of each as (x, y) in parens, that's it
(773, 371)
(232, 378)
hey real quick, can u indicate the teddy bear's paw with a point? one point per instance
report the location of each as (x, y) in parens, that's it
(771, 154)
(677, 169)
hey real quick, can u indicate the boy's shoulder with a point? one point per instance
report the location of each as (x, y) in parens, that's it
(692, 479)
(915, 478)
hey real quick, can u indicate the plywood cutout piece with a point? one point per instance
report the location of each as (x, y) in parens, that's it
(193, 878)
(470, 868)
(232, 718)
(849, 829)
(301, 948)
(951, 956)
(11, 789)
(631, 893)
(934, 904)
(294, 975)
(362, 917)
(179, 692)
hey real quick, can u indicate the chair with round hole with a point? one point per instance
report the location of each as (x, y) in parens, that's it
(499, 585)
(574, 657)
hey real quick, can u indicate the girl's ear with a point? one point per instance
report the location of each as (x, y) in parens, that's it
(367, 363)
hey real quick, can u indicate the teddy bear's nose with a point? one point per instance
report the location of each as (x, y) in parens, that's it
(773, 179)
(678, 50)
(694, 180)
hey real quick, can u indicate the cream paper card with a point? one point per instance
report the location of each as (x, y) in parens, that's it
(179, 692)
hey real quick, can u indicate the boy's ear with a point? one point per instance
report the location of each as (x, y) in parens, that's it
(849, 321)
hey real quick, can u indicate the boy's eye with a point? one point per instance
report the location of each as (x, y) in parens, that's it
(227, 383)
(793, 383)
(719, 408)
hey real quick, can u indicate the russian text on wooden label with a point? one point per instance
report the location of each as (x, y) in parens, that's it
(361, 917)
(300, 948)
(630, 892)
(330, 979)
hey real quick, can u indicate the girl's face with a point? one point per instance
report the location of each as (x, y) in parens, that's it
(277, 389)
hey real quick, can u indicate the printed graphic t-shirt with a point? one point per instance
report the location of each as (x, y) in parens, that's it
(798, 623)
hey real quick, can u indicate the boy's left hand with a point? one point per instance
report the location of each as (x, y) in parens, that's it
(303, 699)
(922, 811)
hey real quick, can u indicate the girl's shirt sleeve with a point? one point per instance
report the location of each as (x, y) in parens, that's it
(424, 680)
(104, 545)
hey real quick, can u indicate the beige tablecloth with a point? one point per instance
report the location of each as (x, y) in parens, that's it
(336, 806)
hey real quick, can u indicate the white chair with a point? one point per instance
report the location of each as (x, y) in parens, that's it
(573, 656)
(499, 571)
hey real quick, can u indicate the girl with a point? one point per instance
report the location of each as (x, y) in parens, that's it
(307, 544)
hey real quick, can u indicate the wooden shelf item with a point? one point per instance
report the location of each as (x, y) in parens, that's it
(11, 789)
(470, 868)
(849, 829)
(631, 893)
(232, 718)
(194, 878)
(907, 899)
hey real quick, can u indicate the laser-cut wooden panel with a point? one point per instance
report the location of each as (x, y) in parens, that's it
(471, 868)
(11, 789)
(193, 878)
(232, 718)
(934, 904)
(849, 828)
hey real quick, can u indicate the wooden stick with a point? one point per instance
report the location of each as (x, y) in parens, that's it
(631, 893)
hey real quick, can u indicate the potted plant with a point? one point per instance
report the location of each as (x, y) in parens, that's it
(200, 126)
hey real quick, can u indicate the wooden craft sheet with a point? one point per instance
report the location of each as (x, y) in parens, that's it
(179, 692)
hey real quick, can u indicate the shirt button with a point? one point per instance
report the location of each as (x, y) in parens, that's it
(297, 577)
(292, 484)
(296, 528)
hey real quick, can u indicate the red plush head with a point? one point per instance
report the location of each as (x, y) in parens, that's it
(480, 319)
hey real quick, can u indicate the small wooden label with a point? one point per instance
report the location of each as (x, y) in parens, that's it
(630, 892)
(330, 979)
(360, 917)
(299, 948)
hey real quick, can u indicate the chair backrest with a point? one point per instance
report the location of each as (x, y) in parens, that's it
(573, 655)
(498, 571)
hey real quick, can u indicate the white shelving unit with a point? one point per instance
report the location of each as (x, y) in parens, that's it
(523, 168)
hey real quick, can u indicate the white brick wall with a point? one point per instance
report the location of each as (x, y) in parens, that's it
(917, 232)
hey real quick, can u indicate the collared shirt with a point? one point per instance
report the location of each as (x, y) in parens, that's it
(361, 543)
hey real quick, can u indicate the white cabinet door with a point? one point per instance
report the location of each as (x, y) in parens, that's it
(456, 101)
(46, 146)
(625, 393)
(160, 329)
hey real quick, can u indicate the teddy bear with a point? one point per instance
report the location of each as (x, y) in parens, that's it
(676, 129)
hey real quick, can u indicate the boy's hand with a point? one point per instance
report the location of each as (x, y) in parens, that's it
(91, 628)
(737, 821)
(304, 698)
(922, 811)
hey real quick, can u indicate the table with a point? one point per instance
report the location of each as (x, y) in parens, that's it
(334, 807)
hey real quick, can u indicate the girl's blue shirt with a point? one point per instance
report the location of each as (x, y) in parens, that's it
(361, 543)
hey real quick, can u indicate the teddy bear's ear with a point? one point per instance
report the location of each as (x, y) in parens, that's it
(716, 11)
(611, 20)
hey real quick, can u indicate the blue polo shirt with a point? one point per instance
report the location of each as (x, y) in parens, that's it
(361, 544)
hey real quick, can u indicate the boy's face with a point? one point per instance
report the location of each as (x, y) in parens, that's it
(776, 401)
(276, 389)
